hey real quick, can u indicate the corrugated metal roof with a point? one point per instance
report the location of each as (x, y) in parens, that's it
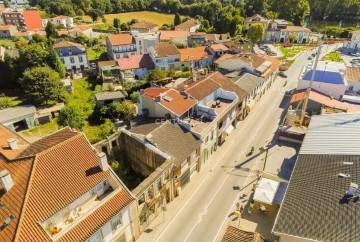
(9, 114)
(333, 134)
(108, 95)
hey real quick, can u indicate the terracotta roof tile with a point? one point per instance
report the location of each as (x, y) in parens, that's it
(202, 88)
(121, 39)
(295, 29)
(197, 53)
(187, 25)
(32, 19)
(61, 17)
(4, 27)
(48, 142)
(60, 175)
(166, 49)
(168, 35)
(98, 218)
(107, 63)
(233, 234)
(352, 74)
(5, 150)
(324, 99)
(255, 60)
(219, 47)
(153, 92)
(136, 62)
(179, 104)
(275, 62)
(83, 27)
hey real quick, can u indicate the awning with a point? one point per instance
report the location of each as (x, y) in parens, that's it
(250, 105)
(266, 190)
(229, 129)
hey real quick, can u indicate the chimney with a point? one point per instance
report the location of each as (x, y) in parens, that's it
(102, 159)
(6, 180)
(12, 143)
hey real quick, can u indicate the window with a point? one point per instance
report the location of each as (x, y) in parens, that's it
(99, 187)
(80, 59)
(142, 199)
(72, 60)
(116, 222)
(97, 237)
(220, 124)
(351, 88)
(113, 143)
(166, 176)
(212, 135)
(59, 50)
(158, 185)
(70, 49)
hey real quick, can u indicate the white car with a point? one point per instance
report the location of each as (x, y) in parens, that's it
(355, 54)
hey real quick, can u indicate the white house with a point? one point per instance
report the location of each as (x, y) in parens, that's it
(120, 45)
(354, 44)
(175, 36)
(145, 40)
(329, 79)
(135, 66)
(191, 25)
(165, 56)
(73, 55)
(66, 21)
(303, 34)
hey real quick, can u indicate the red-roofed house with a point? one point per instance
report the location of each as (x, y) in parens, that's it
(135, 66)
(198, 57)
(32, 20)
(59, 189)
(66, 21)
(165, 56)
(7, 31)
(120, 45)
(175, 36)
(218, 50)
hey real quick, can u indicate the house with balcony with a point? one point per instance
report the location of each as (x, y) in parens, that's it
(73, 55)
(197, 38)
(24, 19)
(62, 20)
(7, 31)
(303, 34)
(65, 191)
(165, 56)
(197, 57)
(120, 46)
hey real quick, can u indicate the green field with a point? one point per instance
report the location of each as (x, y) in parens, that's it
(7, 42)
(333, 56)
(97, 53)
(291, 51)
(153, 17)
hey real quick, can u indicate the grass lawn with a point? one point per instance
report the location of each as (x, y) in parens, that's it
(291, 51)
(7, 42)
(41, 130)
(333, 56)
(97, 53)
(8, 102)
(153, 17)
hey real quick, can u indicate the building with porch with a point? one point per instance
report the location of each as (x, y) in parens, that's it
(18, 118)
(165, 56)
(120, 46)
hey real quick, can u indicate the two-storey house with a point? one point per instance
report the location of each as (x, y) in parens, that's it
(73, 55)
(120, 45)
(197, 57)
(7, 31)
(145, 40)
(303, 34)
(165, 56)
(23, 19)
(60, 189)
(61, 20)
(175, 36)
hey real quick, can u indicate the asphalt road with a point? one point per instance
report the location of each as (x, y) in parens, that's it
(204, 215)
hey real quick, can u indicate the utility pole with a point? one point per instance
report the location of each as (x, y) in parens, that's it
(305, 98)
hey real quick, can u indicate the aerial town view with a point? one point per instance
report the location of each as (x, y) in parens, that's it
(179, 120)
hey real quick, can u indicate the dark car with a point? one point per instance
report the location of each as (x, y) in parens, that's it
(283, 74)
(310, 57)
(271, 53)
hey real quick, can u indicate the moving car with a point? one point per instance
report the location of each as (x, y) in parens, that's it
(282, 74)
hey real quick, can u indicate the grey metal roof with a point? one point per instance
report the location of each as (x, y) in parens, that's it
(249, 82)
(333, 134)
(314, 207)
(175, 141)
(108, 96)
(16, 113)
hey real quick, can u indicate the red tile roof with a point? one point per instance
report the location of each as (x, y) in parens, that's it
(324, 99)
(295, 29)
(166, 49)
(107, 63)
(197, 53)
(4, 27)
(121, 39)
(154, 92)
(136, 62)
(187, 25)
(219, 47)
(254, 59)
(352, 74)
(61, 17)
(177, 104)
(143, 25)
(65, 44)
(32, 19)
(5, 150)
(168, 35)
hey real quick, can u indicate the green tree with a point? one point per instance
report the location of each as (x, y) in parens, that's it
(95, 14)
(30, 56)
(71, 116)
(134, 97)
(55, 63)
(6, 4)
(177, 19)
(157, 74)
(116, 23)
(51, 30)
(41, 85)
(292, 38)
(255, 33)
(271, 15)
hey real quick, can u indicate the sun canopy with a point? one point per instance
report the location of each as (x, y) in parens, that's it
(266, 190)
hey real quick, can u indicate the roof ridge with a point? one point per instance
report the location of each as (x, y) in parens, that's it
(201, 81)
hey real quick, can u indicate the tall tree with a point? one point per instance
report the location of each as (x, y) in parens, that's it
(177, 19)
(41, 85)
(95, 14)
(71, 116)
(292, 38)
(30, 56)
(51, 30)
(255, 33)
(116, 23)
(6, 4)
(56, 63)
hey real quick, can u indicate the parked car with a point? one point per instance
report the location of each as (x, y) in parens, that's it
(271, 53)
(282, 74)
(310, 57)
(313, 54)
(355, 54)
